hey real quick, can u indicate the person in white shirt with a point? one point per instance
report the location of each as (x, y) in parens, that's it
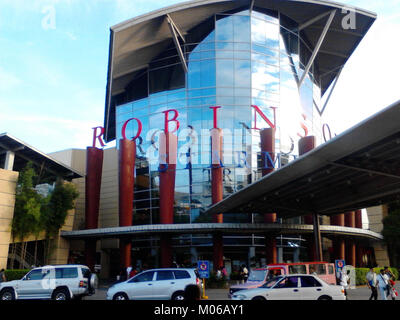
(128, 271)
(382, 284)
(344, 281)
(371, 283)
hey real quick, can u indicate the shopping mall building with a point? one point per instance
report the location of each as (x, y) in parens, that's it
(206, 100)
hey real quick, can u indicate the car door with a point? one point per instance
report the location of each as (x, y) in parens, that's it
(164, 285)
(31, 286)
(286, 289)
(141, 286)
(311, 288)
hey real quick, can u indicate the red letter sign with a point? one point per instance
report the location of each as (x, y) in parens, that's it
(98, 137)
(258, 110)
(176, 114)
(139, 131)
(303, 126)
(215, 116)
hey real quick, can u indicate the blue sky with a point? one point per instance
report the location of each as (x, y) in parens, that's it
(54, 55)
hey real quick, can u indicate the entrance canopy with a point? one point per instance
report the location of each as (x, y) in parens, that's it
(357, 169)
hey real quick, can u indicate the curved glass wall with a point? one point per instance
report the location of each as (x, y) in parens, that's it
(234, 61)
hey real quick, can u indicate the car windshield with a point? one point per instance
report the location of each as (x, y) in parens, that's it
(272, 282)
(257, 275)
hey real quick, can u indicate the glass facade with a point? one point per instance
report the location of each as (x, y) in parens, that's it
(241, 60)
(234, 61)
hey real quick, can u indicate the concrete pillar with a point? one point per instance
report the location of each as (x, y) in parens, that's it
(126, 169)
(194, 255)
(280, 255)
(9, 162)
(296, 255)
(94, 168)
(251, 255)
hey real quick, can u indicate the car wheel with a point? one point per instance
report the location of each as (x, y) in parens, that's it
(325, 298)
(93, 283)
(61, 295)
(259, 298)
(120, 296)
(179, 295)
(7, 294)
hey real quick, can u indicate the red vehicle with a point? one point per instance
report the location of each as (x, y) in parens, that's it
(258, 276)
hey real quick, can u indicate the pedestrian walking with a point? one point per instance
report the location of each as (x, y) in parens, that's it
(224, 273)
(345, 280)
(393, 292)
(389, 277)
(372, 283)
(382, 284)
(128, 271)
(244, 273)
(3, 276)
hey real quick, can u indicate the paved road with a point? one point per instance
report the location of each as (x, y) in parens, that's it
(360, 293)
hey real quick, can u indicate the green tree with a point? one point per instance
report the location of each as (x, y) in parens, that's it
(27, 209)
(55, 209)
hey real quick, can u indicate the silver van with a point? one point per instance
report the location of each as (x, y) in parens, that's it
(158, 284)
(58, 282)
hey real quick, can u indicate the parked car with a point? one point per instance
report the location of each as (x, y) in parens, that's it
(259, 276)
(58, 282)
(293, 287)
(159, 284)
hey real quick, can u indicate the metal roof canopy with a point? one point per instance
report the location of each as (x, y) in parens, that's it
(228, 228)
(25, 153)
(135, 42)
(357, 169)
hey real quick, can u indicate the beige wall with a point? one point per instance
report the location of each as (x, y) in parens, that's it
(375, 216)
(8, 183)
(108, 212)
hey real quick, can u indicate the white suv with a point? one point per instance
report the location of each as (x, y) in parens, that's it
(160, 284)
(60, 282)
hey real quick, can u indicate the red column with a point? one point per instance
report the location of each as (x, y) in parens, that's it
(340, 249)
(351, 253)
(127, 157)
(358, 219)
(349, 218)
(218, 251)
(270, 249)
(217, 192)
(94, 167)
(267, 139)
(168, 158)
(306, 144)
(166, 251)
(337, 220)
(337, 243)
